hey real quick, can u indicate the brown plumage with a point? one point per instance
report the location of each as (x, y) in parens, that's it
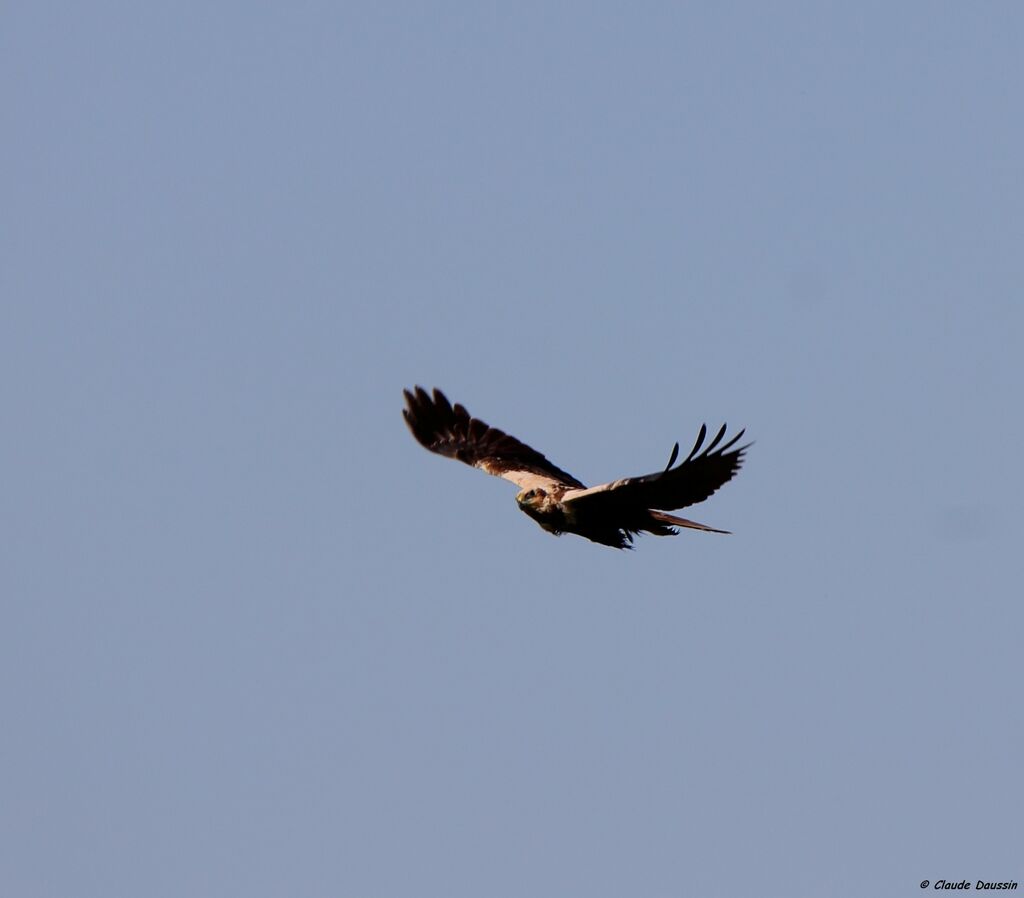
(610, 513)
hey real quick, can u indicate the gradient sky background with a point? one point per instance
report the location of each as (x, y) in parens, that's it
(255, 641)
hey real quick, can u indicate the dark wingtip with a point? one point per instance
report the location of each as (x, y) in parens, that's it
(672, 458)
(418, 398)
(733, 442)
(716, 440)
(421, 412)
(700, 440)
(441, 400)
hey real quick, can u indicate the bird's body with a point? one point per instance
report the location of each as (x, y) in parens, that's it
(610, 513)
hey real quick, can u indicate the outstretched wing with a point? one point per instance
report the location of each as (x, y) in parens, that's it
(694, 479)
(450, 431)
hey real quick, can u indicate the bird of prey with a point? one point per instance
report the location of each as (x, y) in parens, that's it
(610, 513)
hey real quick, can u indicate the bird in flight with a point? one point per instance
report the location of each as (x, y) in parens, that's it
(609, 514)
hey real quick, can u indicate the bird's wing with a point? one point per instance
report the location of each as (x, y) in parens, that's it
(449, 430)
(698, 476)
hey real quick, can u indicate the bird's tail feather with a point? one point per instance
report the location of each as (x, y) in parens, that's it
(682, 522)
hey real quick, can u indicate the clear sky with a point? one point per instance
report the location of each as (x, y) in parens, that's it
(255, 641)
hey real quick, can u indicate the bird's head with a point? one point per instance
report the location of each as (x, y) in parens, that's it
(530, 498)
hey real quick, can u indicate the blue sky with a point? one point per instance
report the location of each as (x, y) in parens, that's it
(254, 640)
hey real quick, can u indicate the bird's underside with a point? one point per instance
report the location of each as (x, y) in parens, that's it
(611, 513)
